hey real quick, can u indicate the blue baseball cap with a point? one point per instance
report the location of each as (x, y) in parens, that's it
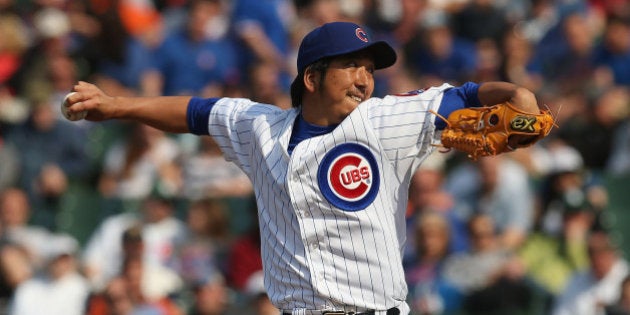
(339, 38)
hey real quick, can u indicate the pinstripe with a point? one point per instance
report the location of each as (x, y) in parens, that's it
(358, 260)
(383, 162)
(344, 139)
(363, 238)
(307, 207)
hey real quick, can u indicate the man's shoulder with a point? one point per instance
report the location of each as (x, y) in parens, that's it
(428, 93)
(242, 109)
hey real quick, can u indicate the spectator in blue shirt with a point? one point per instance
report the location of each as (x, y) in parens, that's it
(191, 61)
(261, 29)
(614, 50)
(439, 54)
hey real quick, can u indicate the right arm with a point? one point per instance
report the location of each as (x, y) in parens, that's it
(167, 113)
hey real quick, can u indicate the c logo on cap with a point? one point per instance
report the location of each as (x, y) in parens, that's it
(361, 34)
(348, 177)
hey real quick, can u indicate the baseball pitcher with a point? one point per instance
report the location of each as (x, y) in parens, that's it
(331, 175)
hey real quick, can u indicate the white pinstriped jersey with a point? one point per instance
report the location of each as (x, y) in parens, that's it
(332, 213)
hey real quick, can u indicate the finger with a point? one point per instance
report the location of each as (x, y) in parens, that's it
(84, 88)
(79, 106)
(69, 110)
(83, 84)
(73, 108)
(80, 101)
(72, 98)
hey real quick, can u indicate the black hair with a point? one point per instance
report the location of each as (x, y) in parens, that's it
(297, 87)
(132, 234)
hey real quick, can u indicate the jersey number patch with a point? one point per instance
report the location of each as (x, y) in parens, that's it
(348, 177)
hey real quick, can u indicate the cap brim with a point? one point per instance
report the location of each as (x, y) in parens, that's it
(384, 54)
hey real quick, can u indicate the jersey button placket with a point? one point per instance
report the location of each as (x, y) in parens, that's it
(317, 272)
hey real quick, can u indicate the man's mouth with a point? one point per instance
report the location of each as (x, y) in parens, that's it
(357, 99)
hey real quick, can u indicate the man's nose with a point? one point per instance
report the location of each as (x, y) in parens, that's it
(363, 76)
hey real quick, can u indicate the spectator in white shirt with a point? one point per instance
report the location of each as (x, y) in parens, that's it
(60, 290)
(589, 292)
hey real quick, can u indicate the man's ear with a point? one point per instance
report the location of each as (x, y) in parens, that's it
(311, 80)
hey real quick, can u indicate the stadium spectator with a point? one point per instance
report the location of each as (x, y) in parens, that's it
(210, 296)
(588, 292)
(490, 278)
(21, 246)
(559, 168)
(60, 290)
(517, 51)
(51, 64)
(191, 60)
(142, 163)
(118, 57)
(139, 286)
(317, 12)
(14, 34)
(266, 85)
(14, 109)
(18, 233)
(613, 53)
(439, 55)
(541, 17)
(427, 193)
(138, 16)
(499, 187)
(619, 161)
(206, 174)
(480, 20)
(429, 291)
(566, 60)
(261, 30)
(591, 131)
(162, 232)
(9, 164)
(551, 259)
(244, 258)
(205, 246)
(449, 6)
(51, 153)
(622, 306)
(489, 61)
(113, 300)
(258, 299)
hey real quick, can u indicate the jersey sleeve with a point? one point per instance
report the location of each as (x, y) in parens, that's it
(456, 98)
(230, 121)
(406, 123)
(405, 126)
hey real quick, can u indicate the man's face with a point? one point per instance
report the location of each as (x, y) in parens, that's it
(349, 81)
(602, 254)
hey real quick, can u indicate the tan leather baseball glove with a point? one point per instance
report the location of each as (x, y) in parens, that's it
(485, 131)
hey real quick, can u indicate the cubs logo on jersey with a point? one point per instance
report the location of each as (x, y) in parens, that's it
(348, 177)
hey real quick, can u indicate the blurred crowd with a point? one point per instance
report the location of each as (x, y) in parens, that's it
(174, 227)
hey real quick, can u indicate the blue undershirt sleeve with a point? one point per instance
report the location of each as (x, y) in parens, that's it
(457, 98)
(197, 114)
